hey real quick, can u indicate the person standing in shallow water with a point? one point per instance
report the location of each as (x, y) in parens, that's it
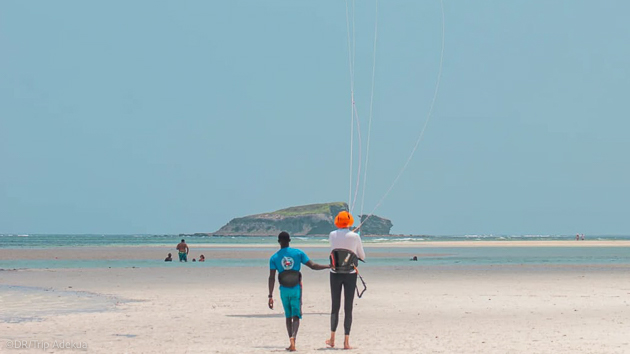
(287, 262)
(182, 247)
(343, 239)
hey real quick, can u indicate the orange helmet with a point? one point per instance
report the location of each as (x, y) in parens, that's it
(343, 220)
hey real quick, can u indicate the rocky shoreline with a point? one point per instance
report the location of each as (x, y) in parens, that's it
(305, 220)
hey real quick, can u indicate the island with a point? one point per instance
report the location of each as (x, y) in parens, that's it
(304, 220)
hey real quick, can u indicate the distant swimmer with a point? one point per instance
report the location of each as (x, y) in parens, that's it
(347, 249)
(202, 258)
(287, 262)
(168, 258)
(414, 258)
(182, 247)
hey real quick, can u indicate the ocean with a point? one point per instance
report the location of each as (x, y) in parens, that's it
(257, 257)
(92, 240)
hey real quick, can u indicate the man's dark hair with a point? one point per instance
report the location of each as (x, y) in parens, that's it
(183, 240)
(284, 237)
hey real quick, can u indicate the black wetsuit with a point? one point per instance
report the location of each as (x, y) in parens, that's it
(349, 284)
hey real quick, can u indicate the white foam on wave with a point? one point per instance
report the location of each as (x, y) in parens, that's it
(479, 236)
(395, 239)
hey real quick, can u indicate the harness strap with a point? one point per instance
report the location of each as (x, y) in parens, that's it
(359, 294)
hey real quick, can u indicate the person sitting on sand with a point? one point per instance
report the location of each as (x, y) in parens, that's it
(202, 258)
(168, 258)
(182, 247)
(287, 262)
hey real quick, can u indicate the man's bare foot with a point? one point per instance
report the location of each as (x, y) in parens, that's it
(291, 347)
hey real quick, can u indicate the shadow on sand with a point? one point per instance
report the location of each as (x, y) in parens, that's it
(277, 315)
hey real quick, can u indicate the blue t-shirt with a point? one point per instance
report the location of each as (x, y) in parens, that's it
(288, 259)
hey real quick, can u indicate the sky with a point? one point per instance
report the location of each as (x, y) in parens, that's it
(177, 116)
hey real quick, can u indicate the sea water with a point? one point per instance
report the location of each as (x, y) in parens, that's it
(87, 240)
(384, 256)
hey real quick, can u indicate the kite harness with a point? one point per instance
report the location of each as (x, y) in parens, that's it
(344, 261)
(290, 278)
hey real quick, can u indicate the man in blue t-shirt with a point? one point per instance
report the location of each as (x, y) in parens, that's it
(287, 262)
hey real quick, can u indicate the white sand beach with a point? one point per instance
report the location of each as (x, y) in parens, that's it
(420, 309)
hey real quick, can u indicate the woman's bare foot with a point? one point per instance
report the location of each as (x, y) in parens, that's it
(331, 342)
(346, 343)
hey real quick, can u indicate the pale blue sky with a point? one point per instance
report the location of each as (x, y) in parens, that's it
(168, 117)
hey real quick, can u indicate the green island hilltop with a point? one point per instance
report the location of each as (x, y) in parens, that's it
(303, 220)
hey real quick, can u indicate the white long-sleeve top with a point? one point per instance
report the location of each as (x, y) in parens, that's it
(346, 239)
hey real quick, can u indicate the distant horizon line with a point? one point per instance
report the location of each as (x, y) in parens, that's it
(210, 234)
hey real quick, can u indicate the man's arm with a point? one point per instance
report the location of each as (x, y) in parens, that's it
(187, 249)
(316, 266)
(272, 283)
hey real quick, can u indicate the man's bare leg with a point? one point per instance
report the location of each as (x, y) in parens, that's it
(293, 324)
(331, 342)
(346, 342)
(289, 323)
